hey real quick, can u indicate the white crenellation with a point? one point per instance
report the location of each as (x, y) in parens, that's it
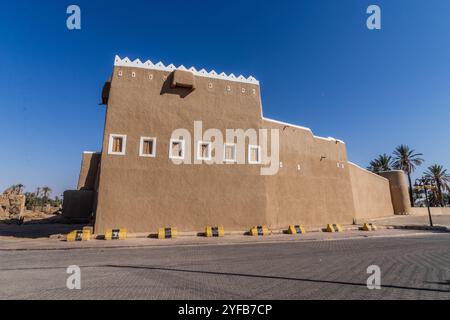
(125, 62)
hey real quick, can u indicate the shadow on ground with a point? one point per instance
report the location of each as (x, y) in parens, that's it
(282, 278)
(41, 228)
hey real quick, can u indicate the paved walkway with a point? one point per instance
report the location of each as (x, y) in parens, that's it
(36, 236)
(14, 244)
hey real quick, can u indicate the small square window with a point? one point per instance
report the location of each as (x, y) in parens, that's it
(147, 147)
(176, 149)
(117, 144)
(254, 154)
(229, 152)
(204, 150)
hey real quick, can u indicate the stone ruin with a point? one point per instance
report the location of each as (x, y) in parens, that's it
(12, 205)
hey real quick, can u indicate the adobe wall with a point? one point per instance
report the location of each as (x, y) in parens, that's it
(399, 191)
(88, 172)
(315, 184)
(371, 194)
(143, 194)
(78, 204)
(319, 192)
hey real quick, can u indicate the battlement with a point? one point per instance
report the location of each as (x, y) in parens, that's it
(126, 62)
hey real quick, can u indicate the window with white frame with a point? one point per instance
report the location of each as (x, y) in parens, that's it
(254, 154)
(147, 147)
(204, 150)
(117, 144)
(176, 149)
(229, 152)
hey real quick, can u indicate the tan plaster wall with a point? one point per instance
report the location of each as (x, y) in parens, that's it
(143, 194)
(371, 194)
(319, 192)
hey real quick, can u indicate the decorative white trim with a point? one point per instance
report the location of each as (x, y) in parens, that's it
(233, 145)
(125, 62)
(250, 147)
(141, 147)
(368, 171)
(124, 144)
(300, 127)
(287, 124)
(176, 157)
(199, 149)
(91, 152)
(329, 139)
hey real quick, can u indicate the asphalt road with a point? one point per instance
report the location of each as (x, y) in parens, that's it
(412, 267)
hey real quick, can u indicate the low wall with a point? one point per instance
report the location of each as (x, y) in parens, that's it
(78, 204)
(420, 211)
(371, 194)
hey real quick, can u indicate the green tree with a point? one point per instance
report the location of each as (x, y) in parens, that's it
(45, 193)
(441, 178)
(380, 164)
(407, 160)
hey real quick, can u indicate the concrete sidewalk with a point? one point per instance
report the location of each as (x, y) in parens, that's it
(414, 221)
(13, 244)
(52, 236)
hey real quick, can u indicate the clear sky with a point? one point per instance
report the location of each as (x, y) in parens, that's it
(318, 64)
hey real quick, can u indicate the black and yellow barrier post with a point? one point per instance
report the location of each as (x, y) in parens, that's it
(79, 235)
(333, 228)
(214, 232)
(369, 227)
(296, 229)
(167, 233)
(259, 231)
(116, 234)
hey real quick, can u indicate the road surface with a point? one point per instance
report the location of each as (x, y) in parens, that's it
(412, 267)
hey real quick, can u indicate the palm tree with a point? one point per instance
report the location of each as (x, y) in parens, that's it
(407, 160)
(19, 188)
(45, 193)
(380, 164)
(439, 175)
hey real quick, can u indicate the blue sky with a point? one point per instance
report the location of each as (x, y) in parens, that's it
(318, 64)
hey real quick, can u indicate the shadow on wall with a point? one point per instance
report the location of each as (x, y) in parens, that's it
(181, 83)
(78, 204)
(88, 179)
